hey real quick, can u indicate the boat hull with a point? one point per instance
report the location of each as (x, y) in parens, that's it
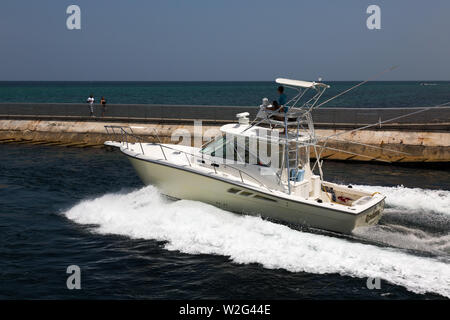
(182, 183)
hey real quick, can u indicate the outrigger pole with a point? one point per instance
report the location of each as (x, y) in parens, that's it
(333, 137)
(356, 86)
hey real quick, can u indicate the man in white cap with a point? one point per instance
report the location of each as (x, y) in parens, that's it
(91, 100)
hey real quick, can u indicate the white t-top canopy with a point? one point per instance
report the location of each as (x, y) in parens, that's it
(298, 83)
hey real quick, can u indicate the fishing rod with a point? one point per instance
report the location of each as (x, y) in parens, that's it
(363, 144)
(352, 153)
(356, 86)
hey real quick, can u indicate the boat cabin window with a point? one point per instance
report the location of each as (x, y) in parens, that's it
(212, 145)
(219, 147)
(227, 147)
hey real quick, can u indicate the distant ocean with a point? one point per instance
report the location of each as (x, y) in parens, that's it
(373, 94)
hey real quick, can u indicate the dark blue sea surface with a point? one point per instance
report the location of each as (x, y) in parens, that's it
(86, 207)
(372, 94)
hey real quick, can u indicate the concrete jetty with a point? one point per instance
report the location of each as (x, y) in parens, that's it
(422, 137)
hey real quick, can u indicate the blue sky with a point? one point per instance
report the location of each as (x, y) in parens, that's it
(200, 40)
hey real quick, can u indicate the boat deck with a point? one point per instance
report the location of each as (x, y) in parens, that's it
(183, 157)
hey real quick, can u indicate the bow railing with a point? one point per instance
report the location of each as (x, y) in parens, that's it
(120, 134)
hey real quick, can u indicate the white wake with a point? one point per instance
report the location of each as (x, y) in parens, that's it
(409, 216)
(416, 199)
(193, 227)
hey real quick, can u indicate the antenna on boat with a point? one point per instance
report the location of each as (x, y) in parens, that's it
(356, 86)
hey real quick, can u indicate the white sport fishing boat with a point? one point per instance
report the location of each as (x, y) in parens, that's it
(261, 168)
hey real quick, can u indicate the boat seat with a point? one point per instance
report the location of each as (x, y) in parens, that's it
(277, 117)
(297, 175)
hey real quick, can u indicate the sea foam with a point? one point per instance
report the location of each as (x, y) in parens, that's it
(416, 199)
(197, 228)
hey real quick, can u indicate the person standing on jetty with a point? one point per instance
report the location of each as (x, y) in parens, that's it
(91, 100)
(103, 103)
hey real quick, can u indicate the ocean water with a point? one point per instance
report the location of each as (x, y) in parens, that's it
(372, 94)
(86, 207)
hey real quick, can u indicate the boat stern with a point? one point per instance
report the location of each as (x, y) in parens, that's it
(373, 214)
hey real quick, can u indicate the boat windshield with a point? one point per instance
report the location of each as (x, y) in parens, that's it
(213, 145)
(230, 148)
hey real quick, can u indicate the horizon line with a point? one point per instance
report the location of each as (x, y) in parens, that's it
(418, 80)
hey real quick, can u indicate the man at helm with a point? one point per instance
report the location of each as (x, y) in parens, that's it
(282, 100)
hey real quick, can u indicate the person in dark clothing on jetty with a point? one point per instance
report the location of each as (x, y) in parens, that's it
(103, 104)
